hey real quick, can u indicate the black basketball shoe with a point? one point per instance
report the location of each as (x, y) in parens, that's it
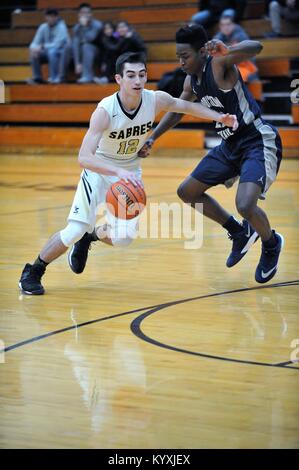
(241, 243)
(268, 264)
(30, 280)
(78, 255)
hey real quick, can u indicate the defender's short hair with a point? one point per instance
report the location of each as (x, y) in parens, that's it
(194, 34)
(131, 58)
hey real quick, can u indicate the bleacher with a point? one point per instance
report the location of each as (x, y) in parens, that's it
(37, 116)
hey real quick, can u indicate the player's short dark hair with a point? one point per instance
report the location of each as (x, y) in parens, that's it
(84, 5)
(51, 12)
(131, 58)
(193, 34)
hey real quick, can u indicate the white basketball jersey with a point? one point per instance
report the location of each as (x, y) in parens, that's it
(127, 133)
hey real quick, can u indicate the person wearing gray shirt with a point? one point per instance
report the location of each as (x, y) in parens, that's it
(86, 34)
(231, 33)
(48, 45)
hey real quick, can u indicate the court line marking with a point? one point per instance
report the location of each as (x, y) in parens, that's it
(136, 329)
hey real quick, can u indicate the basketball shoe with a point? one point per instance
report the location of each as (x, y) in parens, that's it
(268, 263)
(78, 255)
(242, 241)
(30, 280)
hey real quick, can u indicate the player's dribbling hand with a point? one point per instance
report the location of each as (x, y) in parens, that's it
(230, 120)
(145, 149)
(129, 176)
(216, 48)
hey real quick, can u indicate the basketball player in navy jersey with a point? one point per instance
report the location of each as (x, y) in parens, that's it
(118, 129)
(252, 152)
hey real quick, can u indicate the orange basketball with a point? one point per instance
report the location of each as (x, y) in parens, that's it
(124, 200)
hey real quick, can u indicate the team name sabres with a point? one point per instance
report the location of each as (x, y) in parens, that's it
(132, 131)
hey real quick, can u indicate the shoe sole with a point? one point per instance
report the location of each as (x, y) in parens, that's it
(27, 292)
(254, 237)
(271, 277)
(70, 262)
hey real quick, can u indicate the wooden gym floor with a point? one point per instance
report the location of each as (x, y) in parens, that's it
(153, 346)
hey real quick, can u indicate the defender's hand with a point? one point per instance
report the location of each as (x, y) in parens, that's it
(216, 48)
(145, 150)
(230, 120)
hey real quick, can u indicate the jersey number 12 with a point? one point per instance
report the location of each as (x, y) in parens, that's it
(128, 147)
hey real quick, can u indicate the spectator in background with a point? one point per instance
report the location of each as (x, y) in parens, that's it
(129, 40)
(48, 45)
(110, 39)
(125, 39)
(211, 10)
(86, 40)
(288, 9)
(231, 33)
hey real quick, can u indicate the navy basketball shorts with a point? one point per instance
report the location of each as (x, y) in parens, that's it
(255, 157)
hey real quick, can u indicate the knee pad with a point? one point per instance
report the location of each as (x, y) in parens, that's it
(73, 232)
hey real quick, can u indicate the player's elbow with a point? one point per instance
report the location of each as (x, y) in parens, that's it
(259, 47)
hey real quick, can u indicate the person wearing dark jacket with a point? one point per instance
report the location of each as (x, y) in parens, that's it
(211, 10)
(129, 40)
(109, 41)
(125, 39)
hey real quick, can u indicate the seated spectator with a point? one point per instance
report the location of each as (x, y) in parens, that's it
(231, 33)
(125, 39)
(48, 45)
(288, 9)
(86, 37)
(211, 10)
(130, 41)
(109, 41)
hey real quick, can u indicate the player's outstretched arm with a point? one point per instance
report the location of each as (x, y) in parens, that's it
(169, 120)
(169, 103)
(230, 55)
(88, 158)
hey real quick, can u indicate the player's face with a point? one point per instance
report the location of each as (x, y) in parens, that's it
(191, 60)
(133, 79)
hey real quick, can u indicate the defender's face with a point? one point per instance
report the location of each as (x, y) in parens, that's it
(133, 80)
(191, 61)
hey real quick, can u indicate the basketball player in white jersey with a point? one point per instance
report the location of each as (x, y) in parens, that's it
(109, 152)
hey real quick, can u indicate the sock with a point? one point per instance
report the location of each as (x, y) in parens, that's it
(94, 236)
(40, 262)
(233, 226)
(272, 242)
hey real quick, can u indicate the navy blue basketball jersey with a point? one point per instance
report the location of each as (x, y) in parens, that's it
(236, 101)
